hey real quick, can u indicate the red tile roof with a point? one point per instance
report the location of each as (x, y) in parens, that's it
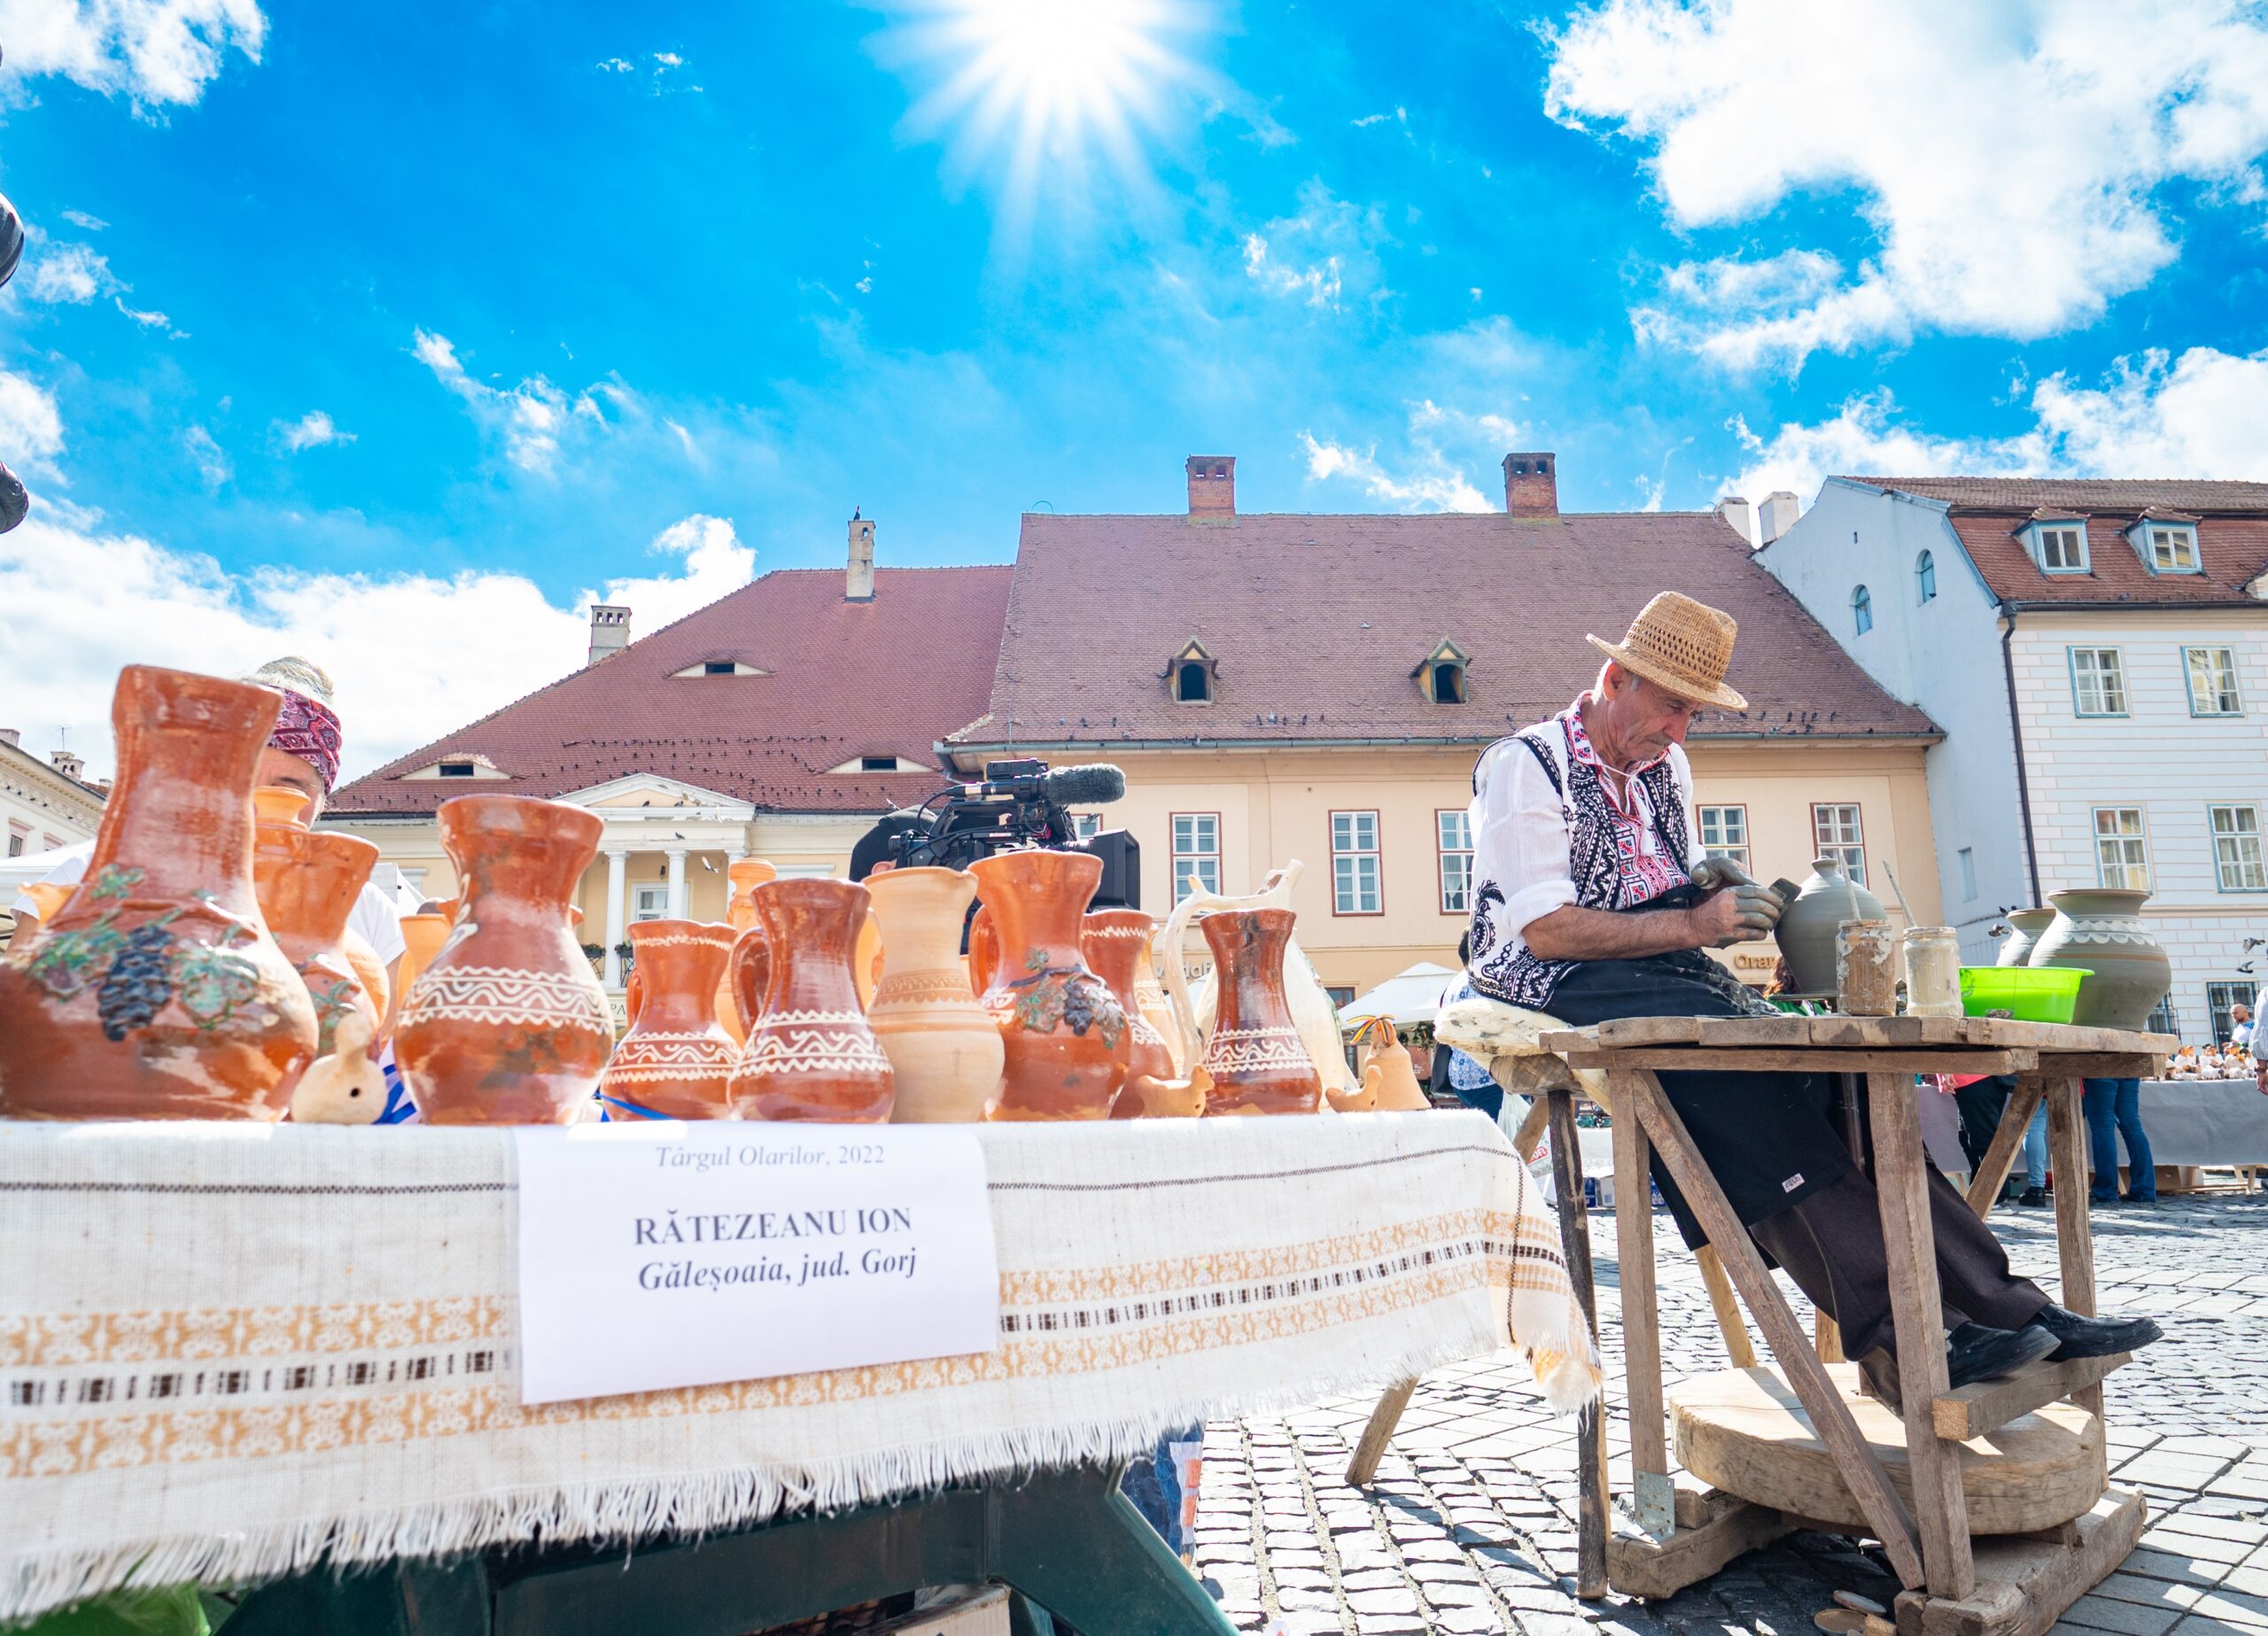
(2230, 519)
(888, 677)
(1317, 623)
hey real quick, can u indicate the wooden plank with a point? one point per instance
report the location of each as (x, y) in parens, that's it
(2008, 1142)
(1640, 1566)
(1648, 1030)
(2023, 1587)
(1590, 1422)
(1971, 1411)
(1730, 1324)
(1901, 1185)
(2107, 1065)
(1827, 1338)
(2067, 1160)
(1885, 1513)
(1379, 1432)
(1530, 1135)
(1642, 1352)
(1803, 1060)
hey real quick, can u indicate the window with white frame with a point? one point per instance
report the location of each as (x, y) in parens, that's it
(1453, 830)
(1836, 832)
(1196, 854)
(1724, 832)
(2212, 681)
(2098, 682)
(1355, 864)
(2061, 548)
(649, 901)
(2221, 1001)
(2168, 547)
(2236, 849)
(2122, 849)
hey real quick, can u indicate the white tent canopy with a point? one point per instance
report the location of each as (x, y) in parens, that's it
(1406, 999)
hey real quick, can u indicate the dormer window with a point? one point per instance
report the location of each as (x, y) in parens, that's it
(877, 764)
(1441, 674)
(717, 667)
(457, 770)
(1191, 674)
(880, 763)
(2059, 544)
(460, 765)
(2167, 544)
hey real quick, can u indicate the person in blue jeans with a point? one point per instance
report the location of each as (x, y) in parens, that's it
(2035, 1158)
(2118, 1104)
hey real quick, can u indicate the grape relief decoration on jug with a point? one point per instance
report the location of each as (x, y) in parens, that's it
(137, 971)
(1055, 994)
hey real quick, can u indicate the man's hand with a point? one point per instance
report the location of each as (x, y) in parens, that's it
(1736, 914)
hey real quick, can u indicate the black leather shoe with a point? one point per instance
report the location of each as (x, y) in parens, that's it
(2094, 1337)
(1974, 1353)
(2034, 1197)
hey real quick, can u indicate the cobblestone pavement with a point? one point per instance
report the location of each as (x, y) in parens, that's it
(1471, 1529)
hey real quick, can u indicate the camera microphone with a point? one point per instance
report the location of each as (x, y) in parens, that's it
(1098, 782)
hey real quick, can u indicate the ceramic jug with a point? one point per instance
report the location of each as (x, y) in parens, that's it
(1808, 925)
(742, 876)
(1254, 1057)
(422, 936)
(307, 883)
(508, 1025)
(156, 991)
(2102, 931)
(676, 1060)
(812, 1055)
(2025, 928)
(1116, 942)
(946, 1054)
(1066, 1035)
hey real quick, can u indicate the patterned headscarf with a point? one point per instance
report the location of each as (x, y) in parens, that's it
(307, 726)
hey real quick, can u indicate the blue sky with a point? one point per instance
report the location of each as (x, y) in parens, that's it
(393, 336)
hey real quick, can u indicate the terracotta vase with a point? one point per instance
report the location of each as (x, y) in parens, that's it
(742, 876)
(423, 935)
(746, 975)
(508, 1025)
(2102, 931)
(47, 897)
(307, 882)
(633, 997)
(1151, 1005)
(1116, 942)
(1254, 1057)
(156, 992)
(812, 1055)
(676, 1060)
(941, 1045)
(2025, 928)
(1807, 929)
(1066, 1035)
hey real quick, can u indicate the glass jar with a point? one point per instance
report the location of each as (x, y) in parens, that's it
(1932, 972)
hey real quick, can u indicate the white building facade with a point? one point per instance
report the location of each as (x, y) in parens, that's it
(43, 805)
(2098, 658)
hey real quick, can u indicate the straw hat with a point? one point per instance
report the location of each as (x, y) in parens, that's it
(1682, 645)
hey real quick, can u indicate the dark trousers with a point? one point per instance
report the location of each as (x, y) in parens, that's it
(1831, 1244)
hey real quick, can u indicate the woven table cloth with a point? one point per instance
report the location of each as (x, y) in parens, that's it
(228, 1351)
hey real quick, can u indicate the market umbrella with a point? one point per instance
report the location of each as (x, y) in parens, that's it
(1407, 999)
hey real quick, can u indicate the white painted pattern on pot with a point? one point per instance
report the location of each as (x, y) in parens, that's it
(507, 997)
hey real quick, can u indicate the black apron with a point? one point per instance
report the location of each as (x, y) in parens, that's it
(1770, 1139)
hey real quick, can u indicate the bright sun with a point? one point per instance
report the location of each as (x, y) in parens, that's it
(1038, 83)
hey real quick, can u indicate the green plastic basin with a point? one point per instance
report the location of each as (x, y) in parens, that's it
(2027, 993)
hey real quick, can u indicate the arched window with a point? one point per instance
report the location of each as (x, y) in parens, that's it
(1925, 571)
(1449, 682)
(1862, 610)
(1192, 685)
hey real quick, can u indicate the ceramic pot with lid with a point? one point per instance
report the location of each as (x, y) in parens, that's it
(1808, 925)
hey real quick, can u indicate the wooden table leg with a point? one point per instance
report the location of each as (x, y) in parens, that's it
(2067, 1158)
(1652, 1499)
(2007, 1141)
(1885, 1513)
(1901, 1184)
(1590, 1423)
(1730, 1324)
(1379, 1432)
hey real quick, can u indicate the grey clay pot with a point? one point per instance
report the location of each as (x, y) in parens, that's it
(2025, 928)
(1806, 934)
(2103, 931)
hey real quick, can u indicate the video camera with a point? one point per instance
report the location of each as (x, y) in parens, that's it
(1019, 804)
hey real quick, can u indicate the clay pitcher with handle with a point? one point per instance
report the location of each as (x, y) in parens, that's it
(1254, 1060)
(676, 1061)
(1066, 1035)
(156, 990)
(1116, 942)
(742, 876)
(508, 1025)
(811, 1054)
(946, 1051)
(307, 882)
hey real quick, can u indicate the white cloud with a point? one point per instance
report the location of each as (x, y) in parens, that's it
(148, 319)
(715, 563)
(2203, 416)
(213, 462)
(72, 274)
(31, 431)
(1429, 483)
(614, 64)
(2009, 156)
(1318, 285)
(155, 51)
(84, 222)
(1324, 251)
(311, 430)
(530, 417)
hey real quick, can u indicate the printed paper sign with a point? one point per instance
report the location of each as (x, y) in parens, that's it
(662, 1254)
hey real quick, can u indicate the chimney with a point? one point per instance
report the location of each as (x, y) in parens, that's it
(12, 737)
(858, 577)
(1211, 486)
(610, 633)
(68, 765)
(1779, 515)
(1741, 516)
(1532, 484)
